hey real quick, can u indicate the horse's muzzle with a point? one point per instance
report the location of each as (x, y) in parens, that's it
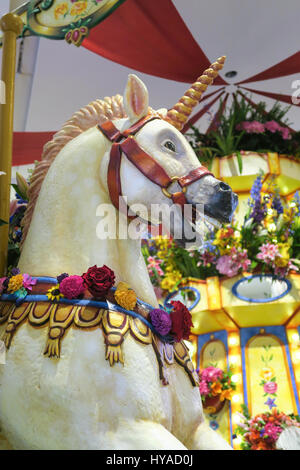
(222, 203)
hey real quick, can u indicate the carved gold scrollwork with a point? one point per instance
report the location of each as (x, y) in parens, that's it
(16, 317)
(88, 317)
(60, 319)
(182, 357)
(140, 331)
(5, 309)
(115, 326)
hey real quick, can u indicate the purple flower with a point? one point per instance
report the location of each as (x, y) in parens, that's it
(256, 188)
(296, 200)
(161, 321)
(61, 277)
(270, 403)
(276, 204)
(15, 271)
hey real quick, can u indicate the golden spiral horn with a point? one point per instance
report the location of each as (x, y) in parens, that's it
(179, 114)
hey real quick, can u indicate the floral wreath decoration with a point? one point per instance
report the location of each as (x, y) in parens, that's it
(96, 288)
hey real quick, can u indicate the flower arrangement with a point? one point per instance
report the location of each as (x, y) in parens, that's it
(267, 242)
(262, 431)
(244, 127)
(215, 387)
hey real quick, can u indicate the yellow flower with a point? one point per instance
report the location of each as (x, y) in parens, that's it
(170, 280)
(15, 283)
(61, 9)
(267, 373)
(225, 238)
(54, 293)
(78, 8)
(289, 214)
(125, 296)
(283, 260)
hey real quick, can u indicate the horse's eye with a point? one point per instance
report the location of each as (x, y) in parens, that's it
(170, 146)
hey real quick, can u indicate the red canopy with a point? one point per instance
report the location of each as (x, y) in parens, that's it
(28, 146)
(150, 36)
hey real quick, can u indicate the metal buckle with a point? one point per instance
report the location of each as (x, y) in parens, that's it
(167, 193)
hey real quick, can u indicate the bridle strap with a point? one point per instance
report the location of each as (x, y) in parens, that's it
(193, 175)
(113, 174)
(146, 164)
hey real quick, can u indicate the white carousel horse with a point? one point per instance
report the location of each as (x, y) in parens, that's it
(79, 401)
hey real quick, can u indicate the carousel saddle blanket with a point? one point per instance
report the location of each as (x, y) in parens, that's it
(114, 321)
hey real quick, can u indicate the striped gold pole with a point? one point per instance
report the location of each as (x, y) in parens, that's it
(11, 26)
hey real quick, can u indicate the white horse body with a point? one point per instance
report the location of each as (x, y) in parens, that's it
(79, 401)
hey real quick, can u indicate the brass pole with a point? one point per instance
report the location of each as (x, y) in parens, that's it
(11, 26)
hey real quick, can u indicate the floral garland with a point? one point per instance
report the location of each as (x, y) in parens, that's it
(172, 324)
(262, 431)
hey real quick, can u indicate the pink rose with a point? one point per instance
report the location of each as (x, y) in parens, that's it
(270, 387)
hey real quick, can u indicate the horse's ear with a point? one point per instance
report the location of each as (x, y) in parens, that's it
(136, 98)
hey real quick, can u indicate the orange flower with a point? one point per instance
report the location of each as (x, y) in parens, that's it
(254, 436)
(78, 8)
(267, 373)
(216, 388)
(262, 446)
(226, 394)
(61, 9)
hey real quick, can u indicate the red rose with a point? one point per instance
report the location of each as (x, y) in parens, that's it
(99, 280)
(181, 321)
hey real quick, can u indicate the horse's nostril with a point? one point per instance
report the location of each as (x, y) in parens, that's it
(223, 187)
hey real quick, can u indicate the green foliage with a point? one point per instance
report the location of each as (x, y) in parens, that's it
(230, 139)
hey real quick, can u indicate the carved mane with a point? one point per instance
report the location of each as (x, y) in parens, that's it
(89, 116)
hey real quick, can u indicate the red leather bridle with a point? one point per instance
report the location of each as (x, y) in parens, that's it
(124, 142)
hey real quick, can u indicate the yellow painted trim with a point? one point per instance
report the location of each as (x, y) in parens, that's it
(213, 293)
(11, 26)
